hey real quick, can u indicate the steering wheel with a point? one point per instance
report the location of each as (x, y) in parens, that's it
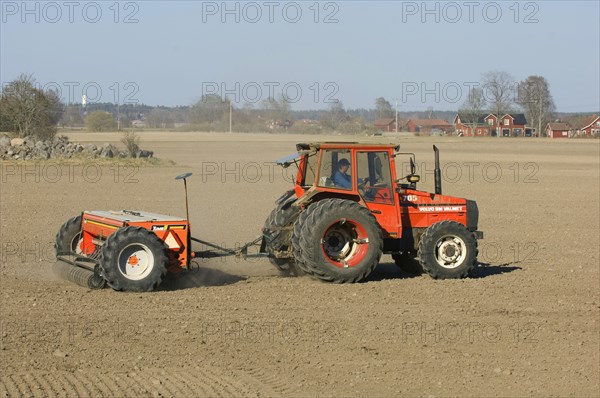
(361, 186)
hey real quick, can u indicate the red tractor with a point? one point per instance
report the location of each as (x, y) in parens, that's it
(348, 207)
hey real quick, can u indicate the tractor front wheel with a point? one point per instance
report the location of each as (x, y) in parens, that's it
(338, 241)
(447, 250)
(134, 259)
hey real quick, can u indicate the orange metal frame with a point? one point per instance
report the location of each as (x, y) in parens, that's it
(96, 227)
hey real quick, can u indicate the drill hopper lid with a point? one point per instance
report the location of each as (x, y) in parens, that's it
(133, 216)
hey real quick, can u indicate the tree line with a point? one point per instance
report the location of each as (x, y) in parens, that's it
(27, 110)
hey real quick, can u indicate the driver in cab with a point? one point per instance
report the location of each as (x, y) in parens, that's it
(341, 177)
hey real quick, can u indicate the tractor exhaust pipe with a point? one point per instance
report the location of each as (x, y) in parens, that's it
(437, 171)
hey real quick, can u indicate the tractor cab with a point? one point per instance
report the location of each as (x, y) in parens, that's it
(364, 173)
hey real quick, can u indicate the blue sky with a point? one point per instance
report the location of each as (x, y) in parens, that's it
(425, 54)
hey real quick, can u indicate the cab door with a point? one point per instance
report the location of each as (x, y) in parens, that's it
(375, 185)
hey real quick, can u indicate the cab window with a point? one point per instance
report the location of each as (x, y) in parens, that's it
(311, 169)
(374, 177)
(335, 169)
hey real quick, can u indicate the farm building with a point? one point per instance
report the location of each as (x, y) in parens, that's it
(138, 124)
(511, 125)
(388, 124)
(588, 127)
(428, 125)
(469, 125)
(557, 130)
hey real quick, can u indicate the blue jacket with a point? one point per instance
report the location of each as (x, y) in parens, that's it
(342, 180)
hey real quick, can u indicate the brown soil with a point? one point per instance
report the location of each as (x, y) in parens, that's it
(525, 324)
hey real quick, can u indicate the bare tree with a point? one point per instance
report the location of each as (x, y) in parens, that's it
(277, 111)
(383, 108)
(472, 108)
(132, 143)
(336, 116)
(535, 98)
(499, 92)
(27, 110)
(210, 109)
(159, 118)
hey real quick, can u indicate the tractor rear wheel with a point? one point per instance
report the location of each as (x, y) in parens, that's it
(447, 250)
(279, 238)
(338, 241)
(134, 259)
(407, 262)
(297, 244)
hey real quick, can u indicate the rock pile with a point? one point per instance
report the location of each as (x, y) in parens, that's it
(59, 147)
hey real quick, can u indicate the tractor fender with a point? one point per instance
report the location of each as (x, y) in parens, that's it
(285, 197)
(314, 195)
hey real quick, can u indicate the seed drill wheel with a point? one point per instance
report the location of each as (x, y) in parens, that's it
(69, 242)
(279, 238)
(68, 239)
(447, 250)
(338, 241)
(134, 259)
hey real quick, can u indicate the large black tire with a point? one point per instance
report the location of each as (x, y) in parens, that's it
(338, 241)
(68, 236)
(407, 262)
(67, 243)
(297, 244)
(129, 248)
(278, 239)
(447, 250)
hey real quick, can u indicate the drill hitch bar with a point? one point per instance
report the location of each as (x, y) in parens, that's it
(220, 251)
